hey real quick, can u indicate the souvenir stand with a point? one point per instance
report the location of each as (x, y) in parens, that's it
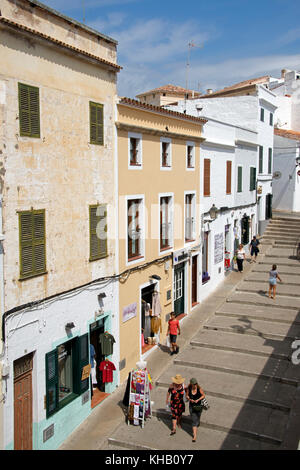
(139, 407)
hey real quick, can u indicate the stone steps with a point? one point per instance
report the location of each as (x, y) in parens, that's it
(267, 312)
(264, 328)
(289, 279)
(284, 269)
(156, 436)
(291, 303)
(262, 288)
(279, 261)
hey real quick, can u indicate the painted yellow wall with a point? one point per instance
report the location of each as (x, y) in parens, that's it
(150, 181)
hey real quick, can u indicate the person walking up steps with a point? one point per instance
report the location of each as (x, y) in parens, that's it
(273, 276)
(240, 256)
(254, 249)
(173, 328)
(194, 395)
(176, 394)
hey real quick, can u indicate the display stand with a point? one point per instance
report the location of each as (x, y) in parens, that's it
(139, 407)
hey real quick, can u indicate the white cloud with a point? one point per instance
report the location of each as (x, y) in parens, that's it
(289, 37)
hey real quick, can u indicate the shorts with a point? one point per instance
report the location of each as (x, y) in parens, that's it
(272, 281)
(173, 338)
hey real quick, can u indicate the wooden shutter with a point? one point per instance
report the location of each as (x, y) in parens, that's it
(270, 161)
(260, 167)
(98, 232)
(96, 123)
(29, 111)
(228, 177)
(252, 179)
(32, 243)
(206, 173)
(51, 382)
(240, 179)
(81, 358)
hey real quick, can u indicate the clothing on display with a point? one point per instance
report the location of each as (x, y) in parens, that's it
(107, 368)
(139, 404)
(156, 307)
(107, 343)
(156, 325)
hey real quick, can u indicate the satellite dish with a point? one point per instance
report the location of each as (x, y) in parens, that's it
(277, 175)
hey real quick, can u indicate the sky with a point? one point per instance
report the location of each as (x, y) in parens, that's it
(234, 40)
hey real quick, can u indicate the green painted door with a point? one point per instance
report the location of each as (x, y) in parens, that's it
(178, 289)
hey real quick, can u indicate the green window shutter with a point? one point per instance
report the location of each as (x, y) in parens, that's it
(261, 151)
(96, 123)
(51, 383)
(270, 161)
(252, 179)
(240, 179)
(32, 243)
(29, 111)
(81, 358)
(98, 231)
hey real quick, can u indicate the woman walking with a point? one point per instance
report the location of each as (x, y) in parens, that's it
(173, 329)
(240, 256)
(254, 249)
(176, 396)
(273, 276)
(194, 395)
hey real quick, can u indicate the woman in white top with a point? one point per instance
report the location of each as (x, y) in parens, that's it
(240, 256)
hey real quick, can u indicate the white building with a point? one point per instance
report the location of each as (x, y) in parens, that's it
(57, 105)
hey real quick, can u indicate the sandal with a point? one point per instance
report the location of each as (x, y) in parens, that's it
(172, 433)
(193, 440)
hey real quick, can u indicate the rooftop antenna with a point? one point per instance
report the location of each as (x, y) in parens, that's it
(83, 6)
(190, 46)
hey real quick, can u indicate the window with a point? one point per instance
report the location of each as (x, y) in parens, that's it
(64, 366)
(271, 119)
(252, 178)
(165, 153)
(270, 161)
(135, 150)
(240, 179)
(189, 217)
(262, 114)
(98, 231)
(32, 243)
(261, 157)
(190, 155)
(206, 176)
(228, 177)
(134, 245)
(29, 111)
(96, 123)
(165, 223)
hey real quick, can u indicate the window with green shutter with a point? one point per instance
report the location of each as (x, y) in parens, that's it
(32, 235)
(98, 231)
(252, 178)
(261, 156)
(240, 179)
(29, 110)
(270, 161)
(96, 123)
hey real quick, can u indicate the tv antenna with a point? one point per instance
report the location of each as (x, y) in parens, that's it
(83, 7)
(190, 46)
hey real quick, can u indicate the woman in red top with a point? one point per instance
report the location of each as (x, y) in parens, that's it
(173, 327)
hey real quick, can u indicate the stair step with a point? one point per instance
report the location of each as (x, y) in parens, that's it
(262, 288)
(290, 303)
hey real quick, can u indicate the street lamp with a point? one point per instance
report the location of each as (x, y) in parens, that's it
(213, 212)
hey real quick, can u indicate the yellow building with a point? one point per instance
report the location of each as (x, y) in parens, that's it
(158, 188)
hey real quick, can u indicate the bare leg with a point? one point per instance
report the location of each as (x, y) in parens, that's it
(270, 289)
(173, 426)
(194, 433)
(274, 292)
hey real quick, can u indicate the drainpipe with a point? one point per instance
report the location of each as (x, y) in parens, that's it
(2, 339)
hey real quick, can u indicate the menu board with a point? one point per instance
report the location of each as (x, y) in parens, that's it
(219, 248)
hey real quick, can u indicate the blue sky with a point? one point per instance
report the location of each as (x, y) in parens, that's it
(238, 39)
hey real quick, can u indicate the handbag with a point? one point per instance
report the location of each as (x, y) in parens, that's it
(197, 407)
(204, 403)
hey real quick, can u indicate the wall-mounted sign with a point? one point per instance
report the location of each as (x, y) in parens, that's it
(219, 248)
(180, 256)
(86, 372)
(129, 312)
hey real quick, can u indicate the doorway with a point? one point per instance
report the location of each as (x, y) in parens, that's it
(147, 336)
(269, 206)
(97, 390)
(23, 403)
(194, 280)
(245, 230)
(179, 286)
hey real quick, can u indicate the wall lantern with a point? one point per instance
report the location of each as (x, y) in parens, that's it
(155, 276)
(213, 212)
(102, 295)
(69, 326)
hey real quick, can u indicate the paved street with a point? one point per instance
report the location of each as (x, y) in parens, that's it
(238, 345)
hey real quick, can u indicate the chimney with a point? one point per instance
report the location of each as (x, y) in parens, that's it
(283, 72)
(209, 91)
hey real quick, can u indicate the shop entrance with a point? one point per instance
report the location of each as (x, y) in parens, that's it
(98, 392)
(23, 403)
(194, 280)
(178, 289)
(149, 339)
(245, 230)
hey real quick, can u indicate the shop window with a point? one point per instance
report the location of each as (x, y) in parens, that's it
(64, 366)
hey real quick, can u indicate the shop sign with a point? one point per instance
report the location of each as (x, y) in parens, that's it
(219, 248)
(129, 312)
(180, 256)
(86, 372)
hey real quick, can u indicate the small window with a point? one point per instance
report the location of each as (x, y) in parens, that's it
(228, 177)
(29, 111)
(134, 232)
(262, 114)
(190, 232)
(252, 179)
(96, 123)
(32, 243)
(190, 155)
(206, 176)
(135, 150)
(271, 119)
(261, 162)
(98, 232)
(270, 161)
(165, 153)
(165, 223)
